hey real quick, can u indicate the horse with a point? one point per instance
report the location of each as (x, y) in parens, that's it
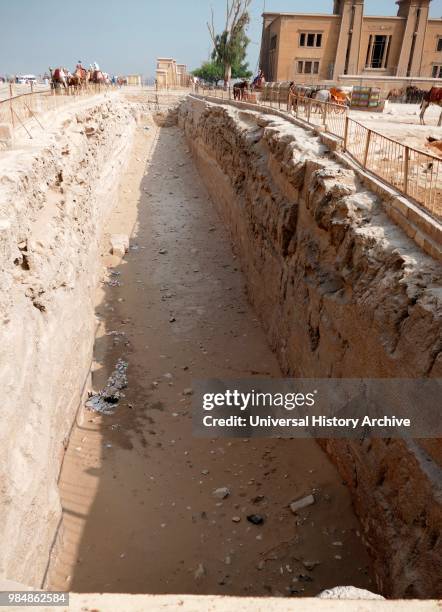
(434, 96)
(414, 95)
(320, 96)
(298, 94)
(241, 90)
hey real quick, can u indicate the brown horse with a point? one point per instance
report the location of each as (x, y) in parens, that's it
(241, 90)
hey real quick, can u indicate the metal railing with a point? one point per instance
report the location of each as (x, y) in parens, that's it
(328, 115)
(23, 109)
(410, 171)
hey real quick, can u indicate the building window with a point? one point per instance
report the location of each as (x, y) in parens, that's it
(439, 44)
(437, 71)
(310, 39)
(308, 67)
(273, 42)
(378, 51)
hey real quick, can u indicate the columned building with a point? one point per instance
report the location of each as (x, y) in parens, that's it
(334, 47)
(171, 74)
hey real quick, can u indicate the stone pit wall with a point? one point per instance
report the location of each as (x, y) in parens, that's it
(342, 292)
(55, 193)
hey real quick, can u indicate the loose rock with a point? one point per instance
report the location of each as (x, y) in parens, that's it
(119, 244)
(304, 502)
(255, 519)
(221, 493)
(200, 572)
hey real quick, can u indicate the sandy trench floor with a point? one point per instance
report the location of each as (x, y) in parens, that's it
(139, 514)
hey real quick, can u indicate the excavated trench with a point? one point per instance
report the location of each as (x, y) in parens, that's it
(229, 274)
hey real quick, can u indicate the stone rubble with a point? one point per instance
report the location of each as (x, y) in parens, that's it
(106, 401)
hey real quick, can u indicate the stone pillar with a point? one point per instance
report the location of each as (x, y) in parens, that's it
(416, 14)
(355, 46)
(341, 52)
(421, 30)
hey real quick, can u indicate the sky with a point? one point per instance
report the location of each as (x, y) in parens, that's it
(126, 36)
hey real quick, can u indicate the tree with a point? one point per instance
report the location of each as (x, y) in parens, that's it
(230, 47)
(210, 71)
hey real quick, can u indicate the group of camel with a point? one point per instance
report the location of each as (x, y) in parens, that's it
(62, 77)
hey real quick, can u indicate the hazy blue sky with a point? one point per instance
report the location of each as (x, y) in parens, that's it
(126, 36)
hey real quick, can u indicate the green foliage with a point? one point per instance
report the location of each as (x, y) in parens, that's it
(230, 47)
(233, 53)
(211, 71)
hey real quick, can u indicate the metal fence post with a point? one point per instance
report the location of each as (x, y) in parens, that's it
(10, 105)
(346, 132)
(325, 116)
(406, 168)
(367, 147)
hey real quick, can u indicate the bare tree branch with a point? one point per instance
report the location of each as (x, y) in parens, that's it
(237, 18)
(211, 28)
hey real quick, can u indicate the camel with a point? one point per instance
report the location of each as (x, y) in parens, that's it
(80, 78)
(396, 94)
(58, 77)
(96, 76)
(339, 97)
(435, 146)
(434, 96)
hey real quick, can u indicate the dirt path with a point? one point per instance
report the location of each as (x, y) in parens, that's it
(137, 488)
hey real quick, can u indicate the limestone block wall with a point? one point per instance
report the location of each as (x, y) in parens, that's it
(342, 292)
(54, 196)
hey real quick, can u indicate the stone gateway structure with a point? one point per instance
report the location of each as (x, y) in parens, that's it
(170, 74)
(319, 47)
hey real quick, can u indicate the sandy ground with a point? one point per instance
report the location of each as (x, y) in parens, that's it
(18, 89)
(401, 122)
(139, 514)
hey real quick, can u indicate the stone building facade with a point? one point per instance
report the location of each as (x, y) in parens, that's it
(349, 45)
(171, 74)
